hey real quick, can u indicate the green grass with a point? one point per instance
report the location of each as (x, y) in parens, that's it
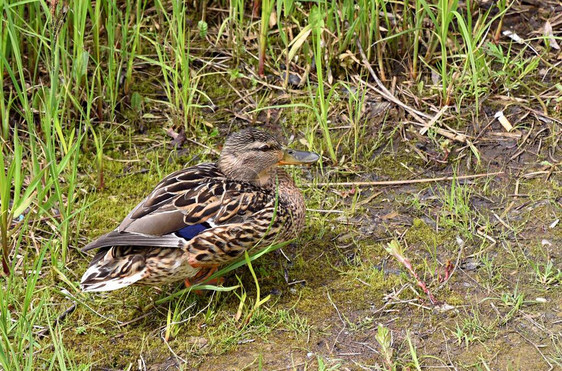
(91, 87)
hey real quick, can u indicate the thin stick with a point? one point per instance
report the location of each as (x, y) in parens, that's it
(382, 90)
(451, 134)
(43, 333)
(433, 120)
(402, 182)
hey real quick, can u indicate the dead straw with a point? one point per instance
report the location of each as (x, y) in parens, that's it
(403, 182)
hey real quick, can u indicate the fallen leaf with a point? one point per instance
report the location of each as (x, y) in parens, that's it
(273, 19)
(503, 120)
(549, 35)
(391, 215)
(513, 36)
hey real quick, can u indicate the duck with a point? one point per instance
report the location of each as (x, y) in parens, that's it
(203, 217)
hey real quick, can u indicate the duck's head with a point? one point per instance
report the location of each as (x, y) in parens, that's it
(251, 155)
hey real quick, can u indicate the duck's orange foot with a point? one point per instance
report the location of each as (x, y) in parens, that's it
(202, 276)
(216, 281)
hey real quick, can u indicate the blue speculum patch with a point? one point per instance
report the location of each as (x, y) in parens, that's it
(192, 230)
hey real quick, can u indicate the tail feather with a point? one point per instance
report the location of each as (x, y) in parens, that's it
(113, 268)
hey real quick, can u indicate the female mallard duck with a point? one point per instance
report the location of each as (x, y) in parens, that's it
(204, 216)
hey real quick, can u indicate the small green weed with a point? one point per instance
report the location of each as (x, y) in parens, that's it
(547, 274)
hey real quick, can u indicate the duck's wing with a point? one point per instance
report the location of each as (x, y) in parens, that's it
(183, 205)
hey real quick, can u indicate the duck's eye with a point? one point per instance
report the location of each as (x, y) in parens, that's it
(263, 148)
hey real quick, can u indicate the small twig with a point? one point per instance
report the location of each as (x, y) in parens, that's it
(484, 235)
(450, 134)
(502, 222)
(432, 122)
(43, 333)
(212, 150)
(403, 182)
(296, 282)
(170, 349)
(134, 320)
(535, 173)
(447, 352)
(285, 255)
(67, 294)
(460, 243)
(382, 90)
(336, 308)
(551, 367)
(178, 139)
(326, 211)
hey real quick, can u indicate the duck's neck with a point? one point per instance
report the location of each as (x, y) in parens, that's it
(266, 178)
(291, 199)
(275, 178)
(234, 169)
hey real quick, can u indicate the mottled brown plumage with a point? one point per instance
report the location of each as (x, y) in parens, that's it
(204, 216)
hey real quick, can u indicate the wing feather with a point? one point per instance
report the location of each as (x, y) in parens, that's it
(191, 196)
(116, 238)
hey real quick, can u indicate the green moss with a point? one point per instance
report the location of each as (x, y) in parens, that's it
(421, 234)
(454, 298)
(396, 165)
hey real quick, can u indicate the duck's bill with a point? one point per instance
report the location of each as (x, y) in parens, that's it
(293, 157)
